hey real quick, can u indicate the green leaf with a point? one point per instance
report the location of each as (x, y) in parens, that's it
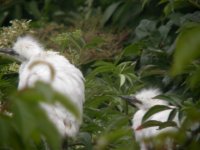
(133, 49)
(109, 137)
(144, 2)
(109, 12)
(51, 96)
(145, 28)
(180, 116)
(175, 4)
(164, 30)
(172, 115)
(103, 67)
(174, 100)
(3, 16)
(5, 130)
(187, 48)
(167, 124)
(194, 79)
(161, 125)
(30, 120)
(149, 70)
(86, 139)
(71, 107)
(153, 110)
(150, 123)
(33, 9)
(117, 123)
(122, 79)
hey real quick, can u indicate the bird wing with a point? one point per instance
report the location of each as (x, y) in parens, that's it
(136, 122)
(151, 131)
(67, 80)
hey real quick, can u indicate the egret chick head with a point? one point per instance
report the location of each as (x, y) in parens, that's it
(27, 47)
(147, 98)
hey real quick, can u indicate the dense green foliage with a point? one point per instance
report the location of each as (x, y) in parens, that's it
(121, 47)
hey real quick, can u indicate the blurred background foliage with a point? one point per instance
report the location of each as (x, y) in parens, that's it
(121, 46)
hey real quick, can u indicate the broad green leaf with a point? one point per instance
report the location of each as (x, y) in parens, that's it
(144, 2)
(3, 17)
(133, 49)
(129, 10)
(6, 59)
(24, 117)
(109, 12)
(131, 78)
(187, 48)
(103, 63)
(33, 9)
(173, 5)
(104, 67)
(122, 79)
(97, 100)
(5, 130)
(44, 93)
(174, 100)
(119, 122)
(150, 123)
(145, 28)
(161, 125)
(86, 139)
(192, 113)
(150, 70)
(71, 107)
(167, 124)
(31, 121)
(153, 110)
(172, 115)
(180, 116)
(164, 30)
(194, 79)
(109, 137)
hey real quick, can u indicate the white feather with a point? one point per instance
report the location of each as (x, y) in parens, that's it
(68, 81)
(146, 96)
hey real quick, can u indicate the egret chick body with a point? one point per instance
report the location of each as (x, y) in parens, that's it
(144, 100)
(67, 80)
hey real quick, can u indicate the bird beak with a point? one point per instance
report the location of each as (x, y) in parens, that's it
(11, 53)
(8, 51)
(132, 100)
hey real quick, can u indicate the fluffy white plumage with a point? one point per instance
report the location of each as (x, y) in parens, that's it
(68, 81)
(146, 97)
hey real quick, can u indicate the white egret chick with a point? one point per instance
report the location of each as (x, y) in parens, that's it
(68, 80)
(143, 101)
